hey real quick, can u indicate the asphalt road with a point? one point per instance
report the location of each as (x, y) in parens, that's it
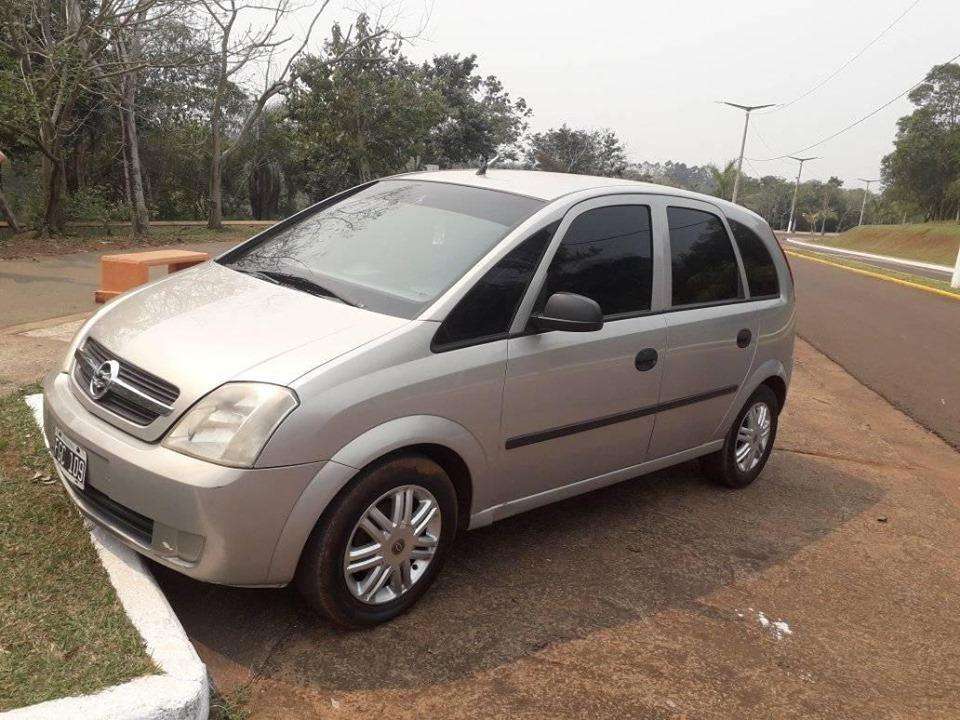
(902, 342)
(943, 275)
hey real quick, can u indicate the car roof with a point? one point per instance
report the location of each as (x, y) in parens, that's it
(549, 186)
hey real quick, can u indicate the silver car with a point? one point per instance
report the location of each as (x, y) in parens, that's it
(332, 400)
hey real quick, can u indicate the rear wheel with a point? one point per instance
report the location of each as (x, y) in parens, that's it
(380, 546)
(748, 444)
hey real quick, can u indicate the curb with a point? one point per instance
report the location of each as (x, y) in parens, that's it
(179, 692)
(946, 269)
(877, 275)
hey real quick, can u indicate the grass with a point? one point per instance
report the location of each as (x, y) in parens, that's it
(916, 279)
(62, 629)
(926, 242)
(87, 239)
(230, 706)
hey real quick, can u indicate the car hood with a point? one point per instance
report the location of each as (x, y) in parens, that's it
(202, 327)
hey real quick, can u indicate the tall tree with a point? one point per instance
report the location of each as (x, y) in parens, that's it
(360, 110)
(238, 49)
(479, 118)
(587, 152)
(925, 161)
(56, 50)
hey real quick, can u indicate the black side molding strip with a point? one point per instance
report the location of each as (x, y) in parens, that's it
(553, 433)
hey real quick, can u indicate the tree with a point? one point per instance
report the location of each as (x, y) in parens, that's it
(360, 110)
(926, 156)
(5, 210)
(238, 49)
(479, 116)
(723, 180)
(587, 152)
(54, 52)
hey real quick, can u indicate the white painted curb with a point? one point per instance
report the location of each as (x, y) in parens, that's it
(180, 692)
(870, 256)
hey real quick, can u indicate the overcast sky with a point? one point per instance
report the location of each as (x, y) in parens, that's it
(652, 71)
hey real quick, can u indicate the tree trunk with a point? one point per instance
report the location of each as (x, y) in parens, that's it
(8, 214)
(215, 215)
(53, 220)
(139, 217)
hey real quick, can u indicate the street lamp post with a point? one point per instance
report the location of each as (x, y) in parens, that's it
(796, 189)
(743, 143)
(866, 192)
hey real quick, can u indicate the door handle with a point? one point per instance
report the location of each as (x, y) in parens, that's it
(646, 359)
(743, 338)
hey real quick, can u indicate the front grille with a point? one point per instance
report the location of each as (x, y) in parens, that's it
(130, 521)
(129, 406)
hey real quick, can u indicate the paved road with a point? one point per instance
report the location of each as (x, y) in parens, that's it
(930, 273)
(47, 287)
(901, 342)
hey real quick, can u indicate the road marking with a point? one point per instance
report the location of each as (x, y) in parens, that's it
(879, 276)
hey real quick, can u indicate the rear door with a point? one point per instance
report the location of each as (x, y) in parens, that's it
(711, 329)
(580, 404)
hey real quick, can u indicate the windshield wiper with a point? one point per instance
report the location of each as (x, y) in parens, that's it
(300, 283)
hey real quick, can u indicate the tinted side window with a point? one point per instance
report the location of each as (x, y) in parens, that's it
(487, 309)
(606, 255)
(704, 266)
(761, 272)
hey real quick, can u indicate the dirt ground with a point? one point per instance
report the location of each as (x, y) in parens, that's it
(828, 589)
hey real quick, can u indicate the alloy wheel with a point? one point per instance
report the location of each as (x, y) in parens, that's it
(392, 544)
(752, 437)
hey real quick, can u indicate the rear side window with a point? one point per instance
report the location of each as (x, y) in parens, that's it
(607, 256)
(487, 310)
(761, 272)
(702, 259)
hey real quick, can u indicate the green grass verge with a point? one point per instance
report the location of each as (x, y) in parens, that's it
(927, 242)
(62, 629)
(916, 279)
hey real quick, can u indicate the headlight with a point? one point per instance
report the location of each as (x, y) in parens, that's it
(231, 425)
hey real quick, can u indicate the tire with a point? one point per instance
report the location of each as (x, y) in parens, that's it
(322, 576)
(722, 466)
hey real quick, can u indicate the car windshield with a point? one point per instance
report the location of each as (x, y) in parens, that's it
(393, 247)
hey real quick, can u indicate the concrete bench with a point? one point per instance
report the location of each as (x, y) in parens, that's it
(119, 273)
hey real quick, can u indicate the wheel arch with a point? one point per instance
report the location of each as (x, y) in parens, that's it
(445, 442)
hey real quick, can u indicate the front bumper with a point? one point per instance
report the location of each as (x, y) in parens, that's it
(207, 521)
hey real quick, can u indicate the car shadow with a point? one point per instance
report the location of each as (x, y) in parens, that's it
(551, 575)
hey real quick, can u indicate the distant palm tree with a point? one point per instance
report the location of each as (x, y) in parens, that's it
(723, 180)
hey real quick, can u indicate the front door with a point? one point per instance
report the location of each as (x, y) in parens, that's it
(580, 404)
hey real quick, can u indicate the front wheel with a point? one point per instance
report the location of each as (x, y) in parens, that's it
(748, 444)
(381, 544)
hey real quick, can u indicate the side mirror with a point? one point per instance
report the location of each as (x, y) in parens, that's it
(569, 312)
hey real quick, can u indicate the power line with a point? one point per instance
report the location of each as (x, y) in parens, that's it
(856, 122)
(845, 65)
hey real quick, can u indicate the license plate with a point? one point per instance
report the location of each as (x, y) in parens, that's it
(70, 458)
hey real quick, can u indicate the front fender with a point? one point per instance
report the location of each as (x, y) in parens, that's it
(357, 454)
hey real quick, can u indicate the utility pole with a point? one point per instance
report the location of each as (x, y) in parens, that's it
(866, 192)
(796, 189)
(743, 143)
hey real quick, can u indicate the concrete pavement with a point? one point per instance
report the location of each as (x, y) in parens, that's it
(47, 287)
(827, 589)
(900, 341)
